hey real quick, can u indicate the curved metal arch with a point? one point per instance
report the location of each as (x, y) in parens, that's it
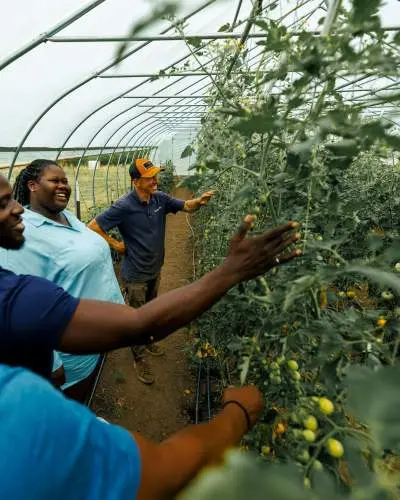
(144, 150)
(164, 88)
(139, 139)
(107, 176)
(146, 133)
(137, 86)
(168, 128)
(112, 154)
(129, 131)
(87, 80)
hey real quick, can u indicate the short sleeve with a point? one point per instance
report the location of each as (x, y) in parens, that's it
(173, 205)
(113, 216)
(59, 448)
(37, 312)
(57, 361)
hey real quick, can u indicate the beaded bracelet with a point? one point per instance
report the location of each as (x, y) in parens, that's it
(246, 413)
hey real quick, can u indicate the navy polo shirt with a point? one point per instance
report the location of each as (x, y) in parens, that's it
(142, 227)
(33, 315)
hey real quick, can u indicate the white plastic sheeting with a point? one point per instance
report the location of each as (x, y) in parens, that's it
(97, 113)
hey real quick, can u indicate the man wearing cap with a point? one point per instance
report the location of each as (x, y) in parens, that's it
(140, 216)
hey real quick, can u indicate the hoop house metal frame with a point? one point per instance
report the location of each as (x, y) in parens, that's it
(180, 109)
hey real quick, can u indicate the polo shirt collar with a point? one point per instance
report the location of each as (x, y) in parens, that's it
(141, 202)
(38, 220)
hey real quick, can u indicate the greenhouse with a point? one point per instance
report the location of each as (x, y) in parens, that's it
(278, 122)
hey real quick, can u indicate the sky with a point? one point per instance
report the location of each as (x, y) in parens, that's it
(29, 85)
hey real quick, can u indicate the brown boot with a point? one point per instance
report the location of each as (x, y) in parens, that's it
(155, 350)
(142, 369)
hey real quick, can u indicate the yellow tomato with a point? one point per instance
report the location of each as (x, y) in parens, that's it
(326, 406)
(292, 365)
(334, 448)
(311, 423)
(265, 450)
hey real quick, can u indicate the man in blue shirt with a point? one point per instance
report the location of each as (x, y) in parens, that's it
(55, 448)
(140, 217)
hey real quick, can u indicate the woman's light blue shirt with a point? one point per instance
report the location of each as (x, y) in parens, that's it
(75, 258)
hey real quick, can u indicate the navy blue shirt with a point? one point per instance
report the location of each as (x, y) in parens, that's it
(33, 314)
(142, 227)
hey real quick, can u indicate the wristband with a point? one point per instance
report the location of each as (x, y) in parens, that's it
(246, 413)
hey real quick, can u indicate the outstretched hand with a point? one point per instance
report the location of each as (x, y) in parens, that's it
(206, 197)
(252, 257)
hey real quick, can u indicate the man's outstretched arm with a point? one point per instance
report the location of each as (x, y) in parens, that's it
(102, 326)
(196, 203)
(168, 467)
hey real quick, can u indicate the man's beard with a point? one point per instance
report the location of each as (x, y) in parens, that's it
(11, 243)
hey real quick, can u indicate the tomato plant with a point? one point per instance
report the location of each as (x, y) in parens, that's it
(319, 336)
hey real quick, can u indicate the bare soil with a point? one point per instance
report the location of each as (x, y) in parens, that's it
(158, 410)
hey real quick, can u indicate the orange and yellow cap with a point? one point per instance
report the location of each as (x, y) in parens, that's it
(143, 167)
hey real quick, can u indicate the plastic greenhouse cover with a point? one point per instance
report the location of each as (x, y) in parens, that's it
(33, 82)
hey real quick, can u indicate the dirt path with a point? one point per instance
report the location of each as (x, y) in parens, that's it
(158, 410)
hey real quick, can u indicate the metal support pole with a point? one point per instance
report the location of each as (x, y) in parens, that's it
(201, 36)
(167, 75)
(164, 97)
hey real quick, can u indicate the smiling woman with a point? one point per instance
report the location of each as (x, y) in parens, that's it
(59, 247)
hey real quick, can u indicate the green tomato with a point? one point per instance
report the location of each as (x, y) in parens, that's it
(297, 433)
(317, 466)
(309, 436)
(296, 376)
(311, 423)
(281, 360)
(397, 267)
(386, 295)
(274, 366)
(307, 483)
(294, 418)
(292, 365)
(304, 457)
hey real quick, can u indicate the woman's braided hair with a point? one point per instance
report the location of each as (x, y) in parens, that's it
(31, 172)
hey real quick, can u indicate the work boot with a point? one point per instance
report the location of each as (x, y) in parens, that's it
(155, 350)
(143, 370)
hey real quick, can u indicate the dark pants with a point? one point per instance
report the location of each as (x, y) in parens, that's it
(137, 295)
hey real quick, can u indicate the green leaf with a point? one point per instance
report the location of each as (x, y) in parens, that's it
(380, 411)
(365, 9)
(299, 287)
(224, 27)
(188, 151)
(347, 147)
(194, 41)
(167, 9)
(242, 477)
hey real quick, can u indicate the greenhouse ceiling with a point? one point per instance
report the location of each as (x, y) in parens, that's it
(61, 88)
